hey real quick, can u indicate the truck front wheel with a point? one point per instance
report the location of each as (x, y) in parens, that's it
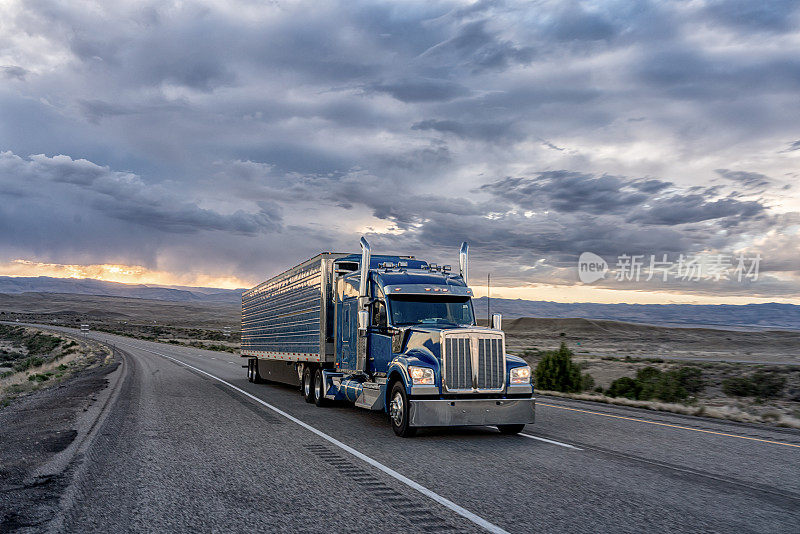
(510, 429)
(399, 411)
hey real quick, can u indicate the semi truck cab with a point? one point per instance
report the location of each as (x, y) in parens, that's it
(399, 335)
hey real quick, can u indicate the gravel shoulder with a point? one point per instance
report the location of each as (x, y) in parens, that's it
(40, 433)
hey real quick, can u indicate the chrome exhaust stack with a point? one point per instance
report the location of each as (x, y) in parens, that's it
(463, 256)
(366, 256)
(363, 307)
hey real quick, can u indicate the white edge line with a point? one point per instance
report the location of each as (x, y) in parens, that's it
(463, 512)
(567, 445)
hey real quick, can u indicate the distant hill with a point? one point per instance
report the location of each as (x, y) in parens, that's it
(88, 286)
(770, 315)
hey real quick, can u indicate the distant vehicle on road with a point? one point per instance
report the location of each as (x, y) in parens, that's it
(387, 333)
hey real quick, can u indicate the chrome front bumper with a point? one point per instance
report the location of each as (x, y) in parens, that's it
(467, 412)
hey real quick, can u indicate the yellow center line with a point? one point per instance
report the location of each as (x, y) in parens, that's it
(666, 424)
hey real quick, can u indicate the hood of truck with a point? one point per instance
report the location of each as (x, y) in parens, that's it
(428, 338)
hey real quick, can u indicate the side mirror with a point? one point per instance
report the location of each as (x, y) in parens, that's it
(497, 321)
(363, 321)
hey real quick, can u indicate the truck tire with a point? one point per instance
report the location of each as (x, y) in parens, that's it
(256, 375)
(307, 384)
(319, 388)
(398, 411)
(510, 429)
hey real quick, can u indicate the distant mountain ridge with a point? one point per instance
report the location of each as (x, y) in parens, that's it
(769, 315)
(90, 286)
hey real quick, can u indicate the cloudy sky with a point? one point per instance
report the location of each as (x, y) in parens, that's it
(219, 142)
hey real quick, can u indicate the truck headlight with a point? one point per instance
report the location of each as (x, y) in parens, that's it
(521, 375)
(421, 375)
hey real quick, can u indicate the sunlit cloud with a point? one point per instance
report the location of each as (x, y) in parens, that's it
(126, 274)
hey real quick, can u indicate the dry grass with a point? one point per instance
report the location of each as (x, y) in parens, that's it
(59, 365)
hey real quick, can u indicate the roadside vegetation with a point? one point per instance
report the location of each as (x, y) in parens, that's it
(199, 338)
(31, 358)
(557, 372)
(736, 391)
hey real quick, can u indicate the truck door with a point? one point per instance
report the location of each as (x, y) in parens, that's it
(379, 347)
(348, 342)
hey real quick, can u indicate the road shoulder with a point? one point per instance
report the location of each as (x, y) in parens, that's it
(43, 434)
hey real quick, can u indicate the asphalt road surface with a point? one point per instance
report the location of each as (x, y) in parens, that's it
(189, 445)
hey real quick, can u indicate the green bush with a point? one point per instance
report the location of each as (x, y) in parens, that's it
(669, 388)
(624, 387)
(650, 383)
(27, 363)
(737, 386)
(38, 377)
(587, 382)
(762, 384)
(41, 343)
(767, 384)
(691, 378)
(647, 379)
(557, 372)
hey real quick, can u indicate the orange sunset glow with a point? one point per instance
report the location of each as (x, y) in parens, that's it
(126, 274)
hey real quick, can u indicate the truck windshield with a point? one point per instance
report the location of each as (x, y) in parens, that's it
(408, 310)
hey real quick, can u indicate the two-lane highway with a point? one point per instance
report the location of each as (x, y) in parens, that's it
(189, 444)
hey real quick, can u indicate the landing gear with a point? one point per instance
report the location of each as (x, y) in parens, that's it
(252, 371)
(398, 412)
(510, 429)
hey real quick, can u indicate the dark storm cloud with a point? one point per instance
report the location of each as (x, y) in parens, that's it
(568, 191)
(487, 131)
(772, 16)
(478, 49)
(793, 146)
(534, 130)
(421, 90)
(747, 179)
(14, 72)
(125, 196)
(682, 209)
(651, 185)
(573, 23)
(685, 72)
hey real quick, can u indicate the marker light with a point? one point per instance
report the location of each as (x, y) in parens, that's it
(521, 375)
(422, 375)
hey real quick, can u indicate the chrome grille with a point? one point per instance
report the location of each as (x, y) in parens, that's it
(473, 361)
(458, 366)
(490, 363)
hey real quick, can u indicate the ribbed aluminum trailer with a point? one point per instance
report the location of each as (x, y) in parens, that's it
(288, 319)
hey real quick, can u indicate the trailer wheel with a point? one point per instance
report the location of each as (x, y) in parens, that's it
(399, 411)
(319, 388)
(510, 429)
(256, 375)
(307, 385)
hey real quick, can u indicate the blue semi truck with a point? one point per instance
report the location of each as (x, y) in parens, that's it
(387, 333)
